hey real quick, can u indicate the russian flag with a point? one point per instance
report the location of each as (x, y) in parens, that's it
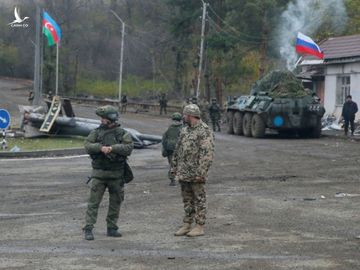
(305, 45)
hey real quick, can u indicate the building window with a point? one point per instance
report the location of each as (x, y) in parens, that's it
(342, 90)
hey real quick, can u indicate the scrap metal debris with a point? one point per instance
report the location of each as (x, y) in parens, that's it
(37, 123)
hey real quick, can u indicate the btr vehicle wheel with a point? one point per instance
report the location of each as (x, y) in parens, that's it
(238, 123)
(257, 126)
(229, 119)
(316, 131)
(247, 124)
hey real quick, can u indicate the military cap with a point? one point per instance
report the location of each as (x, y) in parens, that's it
(176, 116)
(108, 112)
(192, 109)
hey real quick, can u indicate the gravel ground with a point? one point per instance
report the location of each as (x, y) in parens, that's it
(271, 205)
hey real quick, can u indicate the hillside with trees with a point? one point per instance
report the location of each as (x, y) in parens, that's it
(161, 45)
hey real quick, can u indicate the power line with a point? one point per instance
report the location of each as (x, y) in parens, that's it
(238, 38)
(231, 27)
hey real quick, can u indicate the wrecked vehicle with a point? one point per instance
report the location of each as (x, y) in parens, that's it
(60, 120)
(278, 102)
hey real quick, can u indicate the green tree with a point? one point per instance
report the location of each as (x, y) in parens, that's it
(353, 10)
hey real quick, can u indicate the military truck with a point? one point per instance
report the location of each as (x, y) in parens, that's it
(278, 102)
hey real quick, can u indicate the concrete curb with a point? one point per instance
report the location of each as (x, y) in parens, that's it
(81, 151)
(43, 153)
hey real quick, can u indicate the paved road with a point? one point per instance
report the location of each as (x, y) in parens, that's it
(271, 203)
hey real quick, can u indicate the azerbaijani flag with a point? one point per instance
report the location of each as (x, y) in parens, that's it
(305, 45)
(51, 29)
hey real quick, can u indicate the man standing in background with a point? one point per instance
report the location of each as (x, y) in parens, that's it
(349, 110)
(163, 104)
(169, 141)
(215, 114)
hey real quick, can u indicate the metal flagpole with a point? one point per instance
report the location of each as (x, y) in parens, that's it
(57, 69)
(298, 61)
(121, 59)
(201, 47)
(121, 52)
(36, 90)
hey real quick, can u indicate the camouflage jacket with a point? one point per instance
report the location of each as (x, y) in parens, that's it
(194, 153)
(110, 165)
(170, 138)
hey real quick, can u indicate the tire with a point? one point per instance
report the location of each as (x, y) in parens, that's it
(315, 132)
(238, 123)
(229, 120)
(257, 126)
(304, 133)
(247, 125)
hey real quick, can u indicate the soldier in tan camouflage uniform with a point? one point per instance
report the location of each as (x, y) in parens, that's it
(192, 159)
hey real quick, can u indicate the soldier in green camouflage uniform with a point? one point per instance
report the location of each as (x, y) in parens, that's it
(169, 141)
(108, 146)
(163, 103)
(214, 112)
(192, 159)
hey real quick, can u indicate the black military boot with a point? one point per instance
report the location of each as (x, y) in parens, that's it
(113, 232)
(88, 234)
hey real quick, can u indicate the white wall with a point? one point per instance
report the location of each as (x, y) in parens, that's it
(331, 74)
(330, 91)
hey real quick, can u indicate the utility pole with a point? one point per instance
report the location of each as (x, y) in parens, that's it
(121, 52)
(36, 89)
(201, 47)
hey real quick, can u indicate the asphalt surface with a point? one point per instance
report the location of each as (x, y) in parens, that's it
(272, 204)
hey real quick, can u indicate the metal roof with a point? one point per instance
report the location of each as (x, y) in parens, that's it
(339, 47)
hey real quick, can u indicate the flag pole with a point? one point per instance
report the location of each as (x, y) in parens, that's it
(57, 69)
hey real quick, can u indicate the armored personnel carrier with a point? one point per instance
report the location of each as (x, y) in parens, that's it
(279, 102)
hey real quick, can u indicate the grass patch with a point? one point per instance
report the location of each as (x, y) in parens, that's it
(132, 86)
(48, 143)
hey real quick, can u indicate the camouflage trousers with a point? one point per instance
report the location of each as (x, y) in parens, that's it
(194, 198)
(116, 197)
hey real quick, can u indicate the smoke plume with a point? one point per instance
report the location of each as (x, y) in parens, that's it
(307, 16)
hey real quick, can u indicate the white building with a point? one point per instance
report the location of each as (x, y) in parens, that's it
(337, 75)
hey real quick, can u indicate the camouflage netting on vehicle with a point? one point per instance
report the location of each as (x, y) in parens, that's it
(280, 84)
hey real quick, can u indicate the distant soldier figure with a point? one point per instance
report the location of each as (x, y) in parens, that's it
(108, 146)
(194, 100)
(349, 110)
(163, 104)
(31, 97)
(203, 106)
(123, 103)
(50, 96)
(169, 141)
(185, 103)
(192, 159)
(215, 114)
